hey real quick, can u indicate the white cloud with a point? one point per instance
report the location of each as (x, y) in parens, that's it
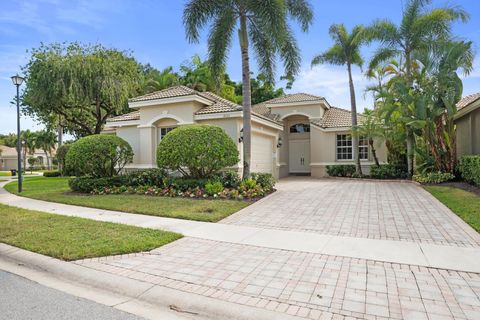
(332, 83)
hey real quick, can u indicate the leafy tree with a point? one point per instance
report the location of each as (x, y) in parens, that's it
(155, 80)
(346, 51)
(8, 140)
(46, 141)
(84, 84)
(371, 129)
(418, 30)
(29, 144)
(265, 25)
(262, 90)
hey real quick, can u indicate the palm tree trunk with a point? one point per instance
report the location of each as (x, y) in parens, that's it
(358, 168)
(410, 135)
(247, 99)
(374, 152)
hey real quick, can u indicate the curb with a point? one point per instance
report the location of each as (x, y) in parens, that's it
(127, 294)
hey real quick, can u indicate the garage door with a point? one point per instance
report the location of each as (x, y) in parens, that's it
(262, 153)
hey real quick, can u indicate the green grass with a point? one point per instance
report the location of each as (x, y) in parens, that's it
(56, 190)
(465, 204)
(4, 173)
(70, 238)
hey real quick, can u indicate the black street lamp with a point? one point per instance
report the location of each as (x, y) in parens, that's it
(17, 81)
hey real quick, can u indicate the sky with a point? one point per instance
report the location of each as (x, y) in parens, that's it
(152, 30)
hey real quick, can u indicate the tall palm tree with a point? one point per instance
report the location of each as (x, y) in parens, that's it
(46, 141)
(28, 141)
(346, 51)
(418, 29)
(264, 23)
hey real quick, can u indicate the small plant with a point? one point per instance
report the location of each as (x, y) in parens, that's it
(229, 178)
(213, 188)
(433, 177)
(248, 184)
(53, 173)
(265, 180)
(469, 169)
(341, 170)
(387, 171)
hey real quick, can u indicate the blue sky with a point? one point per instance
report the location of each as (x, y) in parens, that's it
(153, 31)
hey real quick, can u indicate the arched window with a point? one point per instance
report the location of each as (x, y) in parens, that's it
(300, 128)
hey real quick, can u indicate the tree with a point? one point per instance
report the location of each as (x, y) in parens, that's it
(46, 141)
(155, 80)
(418, 30)
(262, 90)
(84, 84)
(265, 25)
(29, 144)
(346, 51)
(371, 129)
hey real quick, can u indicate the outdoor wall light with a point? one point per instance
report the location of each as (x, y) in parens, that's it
(280, 142)
(240, 140)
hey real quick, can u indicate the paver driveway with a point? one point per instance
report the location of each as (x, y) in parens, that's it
(319, 286)
(363, 209)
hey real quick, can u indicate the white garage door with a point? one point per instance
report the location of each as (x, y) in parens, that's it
(262, 153)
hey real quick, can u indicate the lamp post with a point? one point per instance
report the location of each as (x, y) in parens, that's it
(17, 81)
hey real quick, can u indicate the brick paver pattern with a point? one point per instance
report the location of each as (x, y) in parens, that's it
(312, 286)
(363, 209)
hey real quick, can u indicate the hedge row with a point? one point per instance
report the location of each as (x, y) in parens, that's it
(469, 169)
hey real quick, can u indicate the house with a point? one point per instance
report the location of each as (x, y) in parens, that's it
(297, 134)
(8, 158)
(467, 121)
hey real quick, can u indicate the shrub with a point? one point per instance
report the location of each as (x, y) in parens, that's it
(433, 177)
(184, 184)
(213, 188)
(265, 180)
(229, 178)
(147, 177)
(98, 156)
(341, 170)
(197, 151)
(90, 184)
(52, 173)
(61, 156)
(469, 168)
(387, 171)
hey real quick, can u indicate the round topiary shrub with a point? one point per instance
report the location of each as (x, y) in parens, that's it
(98, 156)
(197, 151)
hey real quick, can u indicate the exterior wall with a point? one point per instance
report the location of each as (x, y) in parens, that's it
(314, 111)
(183, 112)
(8, 163)
(131, 135)
(468, 133)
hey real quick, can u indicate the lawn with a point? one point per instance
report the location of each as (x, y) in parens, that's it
(57, 190)
(465, 204)
(4, 173)
(70, 238)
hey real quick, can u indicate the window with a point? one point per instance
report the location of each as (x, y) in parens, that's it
(344, 147)
(300, 128)
(162, 132)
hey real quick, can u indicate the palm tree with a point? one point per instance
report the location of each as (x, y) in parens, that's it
(46, 141)
(371, 129)
(346, 51)
(418, 30)
(264, 24)
(28, 141)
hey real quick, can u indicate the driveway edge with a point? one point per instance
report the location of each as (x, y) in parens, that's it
(133, 296)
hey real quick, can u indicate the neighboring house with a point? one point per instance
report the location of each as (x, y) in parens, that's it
(295, 134)
(467, 121)
(8, 158)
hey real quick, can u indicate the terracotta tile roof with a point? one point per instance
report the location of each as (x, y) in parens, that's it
(135, 115)
(467, 100)
(8, 152)
(171, 92)
(294, 97)
(336, 117)
(219, 104)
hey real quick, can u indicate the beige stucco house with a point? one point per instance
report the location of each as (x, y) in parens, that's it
(8, 158)
(291, 135)
(467, 121)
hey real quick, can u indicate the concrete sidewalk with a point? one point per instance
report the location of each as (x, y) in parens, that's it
(403, 252)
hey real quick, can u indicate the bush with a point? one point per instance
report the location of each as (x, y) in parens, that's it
(213, 188)
(433, 177)
(229, 178)
(265, 180)
(469, 168)
(197, 151)
(98, 156)
(90, 184)
(53, 173)
(341, 170)
(61, 156)
(387, 171)
(147, 177)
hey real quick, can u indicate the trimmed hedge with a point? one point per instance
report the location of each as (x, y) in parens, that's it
(388, 171)
(197, 151)
(341, 170)
(146, 177)
(434, 177)
(89, 184)
(53, 173)
(469, 168)
(265, 180)
(98, 156)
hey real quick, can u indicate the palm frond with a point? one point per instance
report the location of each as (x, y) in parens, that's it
(301, 11)
(196, 15)
(290, 54)
(264, 50)
(382, 55)
(334, 55)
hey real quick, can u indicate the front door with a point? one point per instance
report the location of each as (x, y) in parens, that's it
(299, 156)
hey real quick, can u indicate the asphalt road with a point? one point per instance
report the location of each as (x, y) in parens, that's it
(22, 299)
